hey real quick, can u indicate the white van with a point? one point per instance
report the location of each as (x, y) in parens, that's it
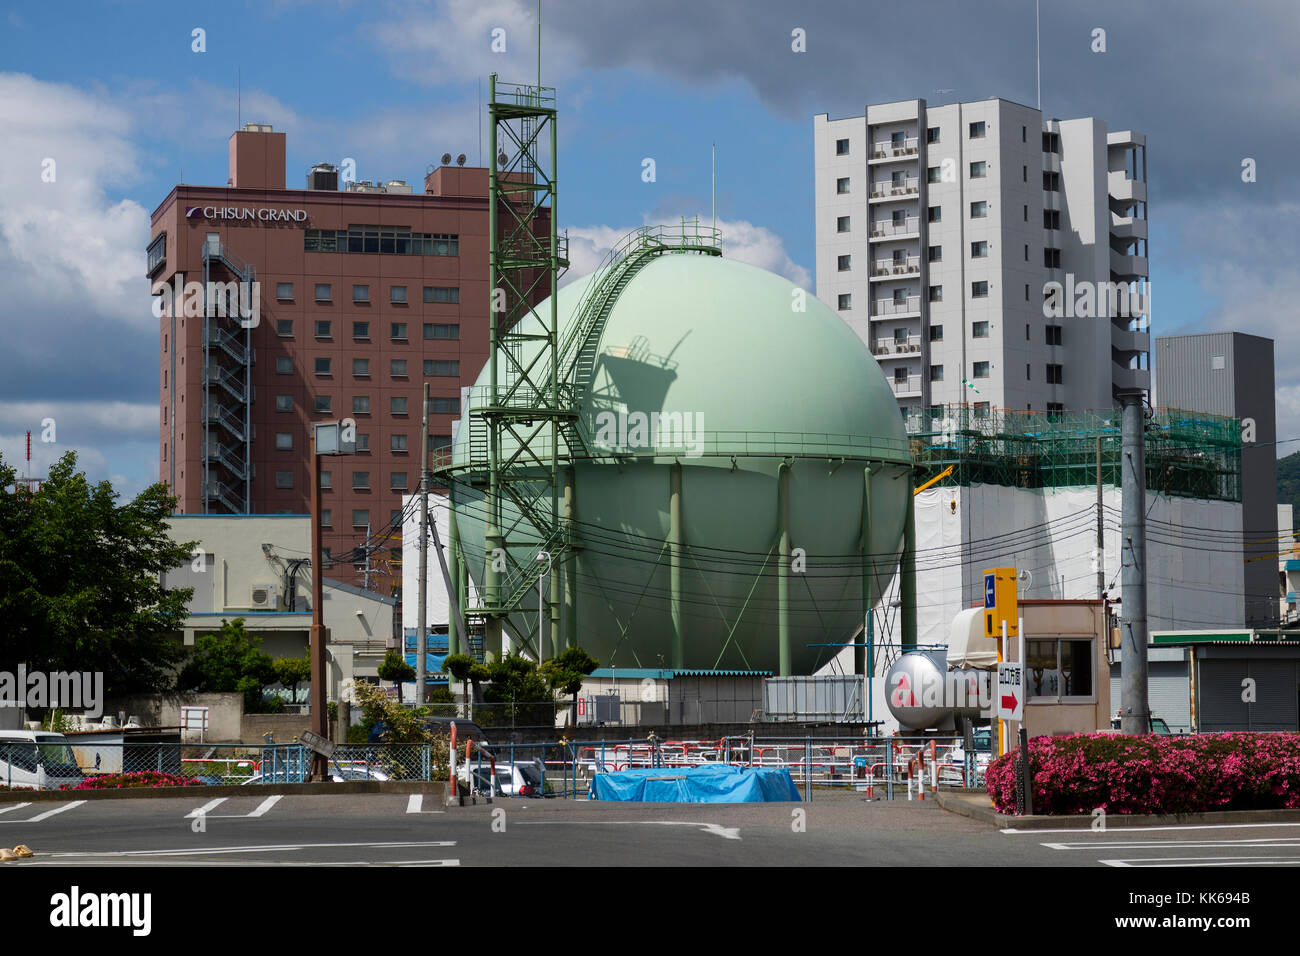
(37, 760)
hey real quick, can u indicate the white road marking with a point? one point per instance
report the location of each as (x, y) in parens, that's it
(239, 863)
(14, 806)
(48, 813)
(1113, 831)
(265, 805)
(727, 833)
(1265, 842)
(212, 850)
(206, 808)
(1176, 861)
(415, 801)
(259, 811)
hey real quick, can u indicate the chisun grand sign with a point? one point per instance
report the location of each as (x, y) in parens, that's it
(246, 213)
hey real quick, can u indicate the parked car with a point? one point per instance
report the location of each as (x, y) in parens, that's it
(1158, 726)
(37, 760)
(521, 780)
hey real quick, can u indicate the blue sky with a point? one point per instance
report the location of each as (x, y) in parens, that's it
(114, 92)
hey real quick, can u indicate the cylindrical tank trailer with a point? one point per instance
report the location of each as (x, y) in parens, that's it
(922, 693)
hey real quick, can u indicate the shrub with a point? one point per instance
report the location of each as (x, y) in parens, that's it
(144, 778)
(1078, 773)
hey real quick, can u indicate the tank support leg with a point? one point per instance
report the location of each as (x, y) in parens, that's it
(860, 646)
(570, 562)
(675, 563)
(783, 568)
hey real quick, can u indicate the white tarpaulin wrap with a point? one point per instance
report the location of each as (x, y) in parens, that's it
(967, 644)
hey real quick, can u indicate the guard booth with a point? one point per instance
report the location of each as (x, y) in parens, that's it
(1067, 671)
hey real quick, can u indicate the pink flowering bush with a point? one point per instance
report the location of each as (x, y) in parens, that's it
(1078, 773)
(144, 778)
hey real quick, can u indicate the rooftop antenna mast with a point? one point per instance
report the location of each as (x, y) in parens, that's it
(239, 98)
(1038, 55)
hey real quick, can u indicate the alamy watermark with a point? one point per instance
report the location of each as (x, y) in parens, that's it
(237, 300)
(1085, 299)
(958, 688)
(73, 690)
(663, 432)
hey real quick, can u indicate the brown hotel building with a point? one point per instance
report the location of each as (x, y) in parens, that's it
(365, 294)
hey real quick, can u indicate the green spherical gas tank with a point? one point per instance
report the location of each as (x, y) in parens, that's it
(724, 372)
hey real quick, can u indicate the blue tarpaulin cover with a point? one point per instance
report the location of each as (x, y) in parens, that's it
(719, 783)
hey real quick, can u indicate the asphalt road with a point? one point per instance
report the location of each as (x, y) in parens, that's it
(391, 829)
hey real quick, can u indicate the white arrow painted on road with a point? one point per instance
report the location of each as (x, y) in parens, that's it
(727, 833)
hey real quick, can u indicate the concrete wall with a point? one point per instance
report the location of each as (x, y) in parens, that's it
(282, 727)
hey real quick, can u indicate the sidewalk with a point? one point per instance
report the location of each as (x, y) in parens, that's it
(976, 805)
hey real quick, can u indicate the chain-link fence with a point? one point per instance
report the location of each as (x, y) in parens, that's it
(81, 764)
(883, 767)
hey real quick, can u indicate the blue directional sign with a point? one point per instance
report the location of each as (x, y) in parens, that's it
(990, 601)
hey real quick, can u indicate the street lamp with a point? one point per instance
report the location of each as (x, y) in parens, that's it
(541, 607)
(327, 438)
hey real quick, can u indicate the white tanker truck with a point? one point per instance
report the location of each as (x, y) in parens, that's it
(934, 689)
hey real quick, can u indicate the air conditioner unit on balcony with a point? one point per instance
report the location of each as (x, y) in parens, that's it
(262, 596)
(914, 347)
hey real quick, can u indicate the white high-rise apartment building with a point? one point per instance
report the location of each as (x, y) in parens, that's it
(942, 231)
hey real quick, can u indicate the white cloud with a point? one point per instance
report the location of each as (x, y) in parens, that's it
(66, 244)
(455, 41)
(741, 240)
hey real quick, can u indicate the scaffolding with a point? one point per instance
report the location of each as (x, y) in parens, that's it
(1188, 454)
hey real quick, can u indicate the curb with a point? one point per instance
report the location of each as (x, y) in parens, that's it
(967, 804)
(267, 789)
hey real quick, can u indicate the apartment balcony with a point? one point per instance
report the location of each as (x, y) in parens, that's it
(1127, 340)
(1129, 379)
(1125, 190)
(1125, 139)
(909, 347)
(1052, 200)
(895, 268)
(896, 308)
(909, 387)
(1126, 267)
(1051, 162)
(886, 229)
(886, 150)
(1127, 227)
(890, 191)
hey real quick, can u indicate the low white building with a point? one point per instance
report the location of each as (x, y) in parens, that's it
(258, 567)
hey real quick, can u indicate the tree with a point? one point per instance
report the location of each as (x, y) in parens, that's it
(81, 580)
(395, 669)
(229, 660)
(292, 671)
(515, 684)
(460, 667)
(566, 672)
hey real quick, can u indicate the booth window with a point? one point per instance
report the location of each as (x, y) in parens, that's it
(1059, 668)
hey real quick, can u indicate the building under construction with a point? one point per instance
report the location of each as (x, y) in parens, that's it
(1042, 493)
(1188, 454)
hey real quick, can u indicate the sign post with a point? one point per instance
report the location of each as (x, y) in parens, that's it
(1001, 620)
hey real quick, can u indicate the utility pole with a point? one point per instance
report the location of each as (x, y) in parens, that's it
(421, 678)
(366, 570)
(1101, 537)
(1135, 718)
